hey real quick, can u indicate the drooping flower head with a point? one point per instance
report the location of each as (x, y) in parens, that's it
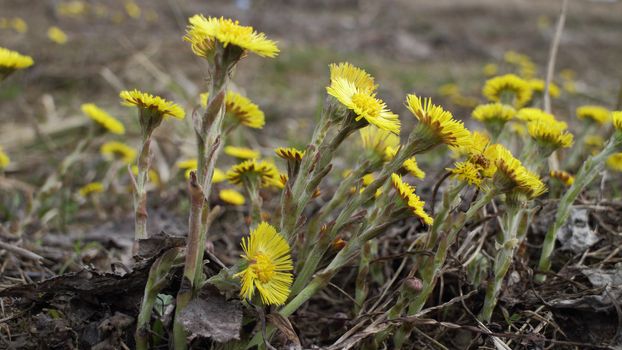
(438, 125)
(204, 34)
(117, 150)
(104, 119)
(241, 108)
(512, 176)
(357, 76)
(407, 194)
(152, 109)
(563, 176)
(509, 89)
(10, 61)
(364, 104)
(269, 266)
(598, 114)
(266, 173)
(231, 196)
(241, 152)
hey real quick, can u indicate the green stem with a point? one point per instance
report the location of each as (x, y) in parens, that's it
(588, 171)
(140, 192)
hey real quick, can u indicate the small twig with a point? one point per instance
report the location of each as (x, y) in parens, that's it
(21, 251)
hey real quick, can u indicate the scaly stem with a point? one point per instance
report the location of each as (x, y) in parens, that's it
(140, 192)
(510, 226)
(590, 168)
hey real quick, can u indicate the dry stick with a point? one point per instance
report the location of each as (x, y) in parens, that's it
(553, 161)
(21, 251)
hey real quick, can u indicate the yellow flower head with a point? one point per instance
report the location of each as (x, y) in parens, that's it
(90, 188)
(241, 108)
(11, 61)
(410, 199)
(113, 149)
(438, 121)
(358, 77)
(512, 176)
(190, 165)
(57, 35)
(4, 159)
(565, 177)
(537, 86)
(413, 168)
(153, 104)
(552, 134)
(614, 162)
(104, 119)
(493, 112)
(269, 260)
(19, 25)
(231, 196)
(617, 120)
(152, 174)
(203, 33)
(265, 171)
(508, 88)
(598, 114)
(364, 104)
(73, 8)
(523, 62)
(534, 114)
(379, 140)
(289, 153)
(466, 172)
(132, 9)
(241, 152)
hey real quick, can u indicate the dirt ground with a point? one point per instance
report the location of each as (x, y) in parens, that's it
(408, 46)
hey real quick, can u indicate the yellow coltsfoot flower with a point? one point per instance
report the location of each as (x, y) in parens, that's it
(241, 108)
(509, 89)
(617, 120)
(241, 152)
(512, 176)
(493, 112)
(563, 176)
(117, 150)
(364, 104)
(153, 109)
(10, 61)
(407, 193)
(91, 188)
(413, 169)
(57, 35)
(550, 134)
(357, 76)
(537, 86)
(204, 33)
(190, 165)
(269, 266)
(289, 153)
(4, 159)
(104, 119)
(265, 172)
(154, 178)
(614, 162)
(439, 123)
(232, 197)
(598, 114)
(382, 143)
(466, 172)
